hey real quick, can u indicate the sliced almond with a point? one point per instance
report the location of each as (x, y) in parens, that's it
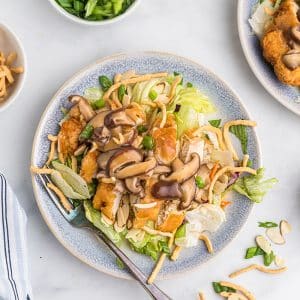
(275, 236)
(279, 261)
(122, 215)
(285, 227)
(145, 205)
(263, 243)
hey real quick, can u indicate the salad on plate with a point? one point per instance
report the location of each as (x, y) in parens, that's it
(149, 161)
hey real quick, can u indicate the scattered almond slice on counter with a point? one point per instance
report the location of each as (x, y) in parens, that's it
(239, 288)
(275, 236)
(263, 244)
(279, 261)
(233, 296)
(285, 227)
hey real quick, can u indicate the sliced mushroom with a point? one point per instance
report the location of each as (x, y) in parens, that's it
(292, 59)
(129, 134)
(103, 158)
(101, 135)
(133, 185)
(137, 169)
(188, 187)
(166, 190)
(162, 170)
(295, 33)
(186, 172)
(80, 150)
(123, 157)
(84, 106)
(118, 118)
(98, 120)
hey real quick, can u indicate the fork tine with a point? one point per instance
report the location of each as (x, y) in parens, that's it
(53, 197)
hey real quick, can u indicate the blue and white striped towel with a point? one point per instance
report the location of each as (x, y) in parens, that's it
(14, 282)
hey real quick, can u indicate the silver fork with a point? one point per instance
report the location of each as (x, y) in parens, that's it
(77, 218)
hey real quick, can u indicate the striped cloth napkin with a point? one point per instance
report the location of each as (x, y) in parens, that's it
(14, 282)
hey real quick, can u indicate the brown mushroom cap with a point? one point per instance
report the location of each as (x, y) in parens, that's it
(84, 106)
(104, 158)
(121, 158)
(188, 187)
(295, 33)
(101, 135)
(187, 171)
(98, 119)
(136, 169)
(133, 185)
(118, 118)
(166, 190)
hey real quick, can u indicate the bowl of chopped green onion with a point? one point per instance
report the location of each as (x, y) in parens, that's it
(95, 12)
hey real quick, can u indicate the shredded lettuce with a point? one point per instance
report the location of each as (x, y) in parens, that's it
(144, 243)
(253, 187)
(192, 105)
(94, 216)
(240, 132)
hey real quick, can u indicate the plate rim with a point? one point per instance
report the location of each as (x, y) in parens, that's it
(104, 270)
(258, 75)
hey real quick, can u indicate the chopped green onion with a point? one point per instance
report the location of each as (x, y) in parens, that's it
(253, 251)
(89, 7)
(121, 92)
(98, 104)
(199, 182)
(218, 288)
(148, 142)
(178, 74)
(188, 84)
(105, 82)
(267, 224)
(152, 95)
(141, 129)
(87, 132)
(78, 6)
(163, 247)
(268, 258)
(249, 163)
(215, 123)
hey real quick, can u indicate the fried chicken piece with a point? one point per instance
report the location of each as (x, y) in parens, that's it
(165, 141)
(274, 46)
(284, 74)
(286, 16)
(68, 136)
(169, 218)
(107, 199)
(147, 214)
(89, 166)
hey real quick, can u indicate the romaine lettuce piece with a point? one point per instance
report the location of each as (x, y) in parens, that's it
(94, 216)
(253, 187)
(144, 243)
(77, 183)
(63, 185)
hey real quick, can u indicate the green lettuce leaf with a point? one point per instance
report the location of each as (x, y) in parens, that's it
(192, 104)
(253, 186)
(77, 183)
(144, 243)
(94, 216)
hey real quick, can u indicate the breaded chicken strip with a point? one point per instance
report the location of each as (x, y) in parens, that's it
(107, 199)
(89, 166)
(291, 77)
(68, 136)
(274, 46)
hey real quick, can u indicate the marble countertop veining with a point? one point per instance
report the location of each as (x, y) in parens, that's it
(204, 31)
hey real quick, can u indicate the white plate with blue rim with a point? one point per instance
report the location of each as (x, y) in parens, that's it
(83, 244)
(287, 95)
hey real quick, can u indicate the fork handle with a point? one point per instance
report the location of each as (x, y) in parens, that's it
(152, 289)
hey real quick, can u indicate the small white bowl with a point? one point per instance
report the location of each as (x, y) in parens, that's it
(9, 42)
(62, 11)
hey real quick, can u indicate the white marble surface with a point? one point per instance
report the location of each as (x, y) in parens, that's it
(205, 31)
